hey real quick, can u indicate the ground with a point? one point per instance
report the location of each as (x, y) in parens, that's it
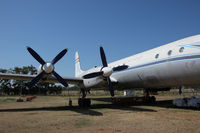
(52, 114)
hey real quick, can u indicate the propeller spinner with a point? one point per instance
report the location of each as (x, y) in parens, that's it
(47, 67)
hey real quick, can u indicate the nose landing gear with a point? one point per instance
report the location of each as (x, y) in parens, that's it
(83, 101)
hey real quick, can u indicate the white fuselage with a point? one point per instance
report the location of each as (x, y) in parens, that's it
(170, 65)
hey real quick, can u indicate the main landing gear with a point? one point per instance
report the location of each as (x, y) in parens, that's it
(148, 98)
(83, 101)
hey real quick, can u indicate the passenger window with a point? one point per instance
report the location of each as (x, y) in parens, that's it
(181, 49)
(157, 55)
(169, 52)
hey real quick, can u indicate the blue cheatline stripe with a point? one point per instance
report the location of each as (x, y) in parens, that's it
(164, 61)
(192, 45)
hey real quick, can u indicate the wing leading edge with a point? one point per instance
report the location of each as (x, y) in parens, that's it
(51, 79)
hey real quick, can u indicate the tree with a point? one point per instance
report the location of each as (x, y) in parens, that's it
(20, 85)
(5, 84)
(17, 87)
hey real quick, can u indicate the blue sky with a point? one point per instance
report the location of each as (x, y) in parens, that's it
(123, 27)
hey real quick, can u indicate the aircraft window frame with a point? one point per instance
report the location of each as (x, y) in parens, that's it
(169, 52)
(181, 50)
(157, 56)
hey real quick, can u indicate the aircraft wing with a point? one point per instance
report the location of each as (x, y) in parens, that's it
(51, 79)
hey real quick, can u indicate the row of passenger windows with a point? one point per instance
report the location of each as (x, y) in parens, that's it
(170, 52)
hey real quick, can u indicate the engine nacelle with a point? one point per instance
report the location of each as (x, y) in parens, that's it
(39, 70)
(89, 83)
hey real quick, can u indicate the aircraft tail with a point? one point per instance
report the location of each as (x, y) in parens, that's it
(78, 69)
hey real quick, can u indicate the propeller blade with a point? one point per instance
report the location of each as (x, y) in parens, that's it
(120, 68)
(110, 87)
(103, 57)
(59, 56)
(35, 80)
(60, 79)
(92, 75)
(36, 56)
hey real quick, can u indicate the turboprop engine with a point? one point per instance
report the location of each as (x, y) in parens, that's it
(105, 71)
(46, 68)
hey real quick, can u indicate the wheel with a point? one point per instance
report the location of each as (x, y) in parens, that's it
(87, 102)
(152, 99)
(84, 102)
(80, 102)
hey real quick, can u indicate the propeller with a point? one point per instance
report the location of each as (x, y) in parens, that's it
(105, 71)
(47, 67)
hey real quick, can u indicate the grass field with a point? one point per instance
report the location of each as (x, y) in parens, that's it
(52, 114)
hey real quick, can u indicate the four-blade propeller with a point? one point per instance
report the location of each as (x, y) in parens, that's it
(47, 67)
(105, 71)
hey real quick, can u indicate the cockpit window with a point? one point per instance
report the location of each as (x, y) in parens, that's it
(181, 49)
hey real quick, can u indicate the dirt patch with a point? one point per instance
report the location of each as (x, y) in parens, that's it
(51, 114)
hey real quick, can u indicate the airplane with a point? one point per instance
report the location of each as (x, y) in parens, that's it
(172, 65)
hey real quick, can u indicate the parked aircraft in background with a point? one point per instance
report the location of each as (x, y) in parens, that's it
(172, 65)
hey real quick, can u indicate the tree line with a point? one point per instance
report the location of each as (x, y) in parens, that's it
(18, 87)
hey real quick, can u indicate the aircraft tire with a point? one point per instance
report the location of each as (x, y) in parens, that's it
(84, 102)
(152, 99)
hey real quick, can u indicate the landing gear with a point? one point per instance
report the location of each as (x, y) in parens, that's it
(148, 98)
(152, 99)
(83, 101)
